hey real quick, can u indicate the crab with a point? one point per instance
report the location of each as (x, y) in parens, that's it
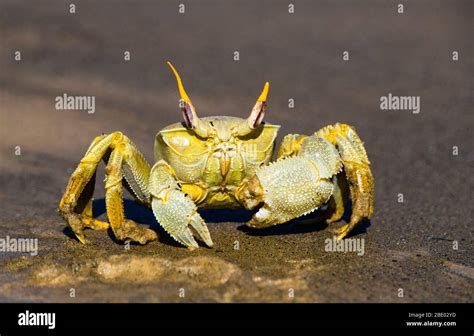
(222, 162)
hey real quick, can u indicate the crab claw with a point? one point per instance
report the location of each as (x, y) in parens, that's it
(176, 213)
(263, 218)
(288, 188)
(251, 194)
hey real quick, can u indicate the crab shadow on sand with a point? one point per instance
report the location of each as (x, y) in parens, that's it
(143, 215)
(315, 221)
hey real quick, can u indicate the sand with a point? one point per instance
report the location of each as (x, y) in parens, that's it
(410, 250)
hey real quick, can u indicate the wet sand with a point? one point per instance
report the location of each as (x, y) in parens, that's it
(408, 245)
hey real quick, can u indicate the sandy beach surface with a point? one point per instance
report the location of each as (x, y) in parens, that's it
(418, 250)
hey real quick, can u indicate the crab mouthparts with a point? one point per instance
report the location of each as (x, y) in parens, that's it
(224, 164)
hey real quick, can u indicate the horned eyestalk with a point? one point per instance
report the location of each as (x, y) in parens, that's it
(190, 116)
(256, 115)
(182, 92)
(264, 94)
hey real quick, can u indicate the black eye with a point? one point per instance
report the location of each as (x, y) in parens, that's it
(212, 124)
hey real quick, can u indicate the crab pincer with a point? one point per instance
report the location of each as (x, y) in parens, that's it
(176, 213)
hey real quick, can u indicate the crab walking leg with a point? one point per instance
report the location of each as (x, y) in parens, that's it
(338, 200)
(173, 209)
(123, 228)
(84, 202)
(290, 145)
(357, 169)
(76, 203)
(293, 186)
(84, 207)
(80, 178)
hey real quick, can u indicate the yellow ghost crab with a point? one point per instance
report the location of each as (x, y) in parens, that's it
(222, 162)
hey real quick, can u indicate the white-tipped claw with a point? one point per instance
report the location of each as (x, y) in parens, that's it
(176, 213)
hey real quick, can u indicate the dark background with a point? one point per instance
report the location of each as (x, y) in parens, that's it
(407, 245)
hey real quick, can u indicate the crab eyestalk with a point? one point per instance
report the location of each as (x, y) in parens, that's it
(256, 115)
(190, 116)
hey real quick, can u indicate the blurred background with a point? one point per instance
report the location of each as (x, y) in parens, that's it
(301, 54)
